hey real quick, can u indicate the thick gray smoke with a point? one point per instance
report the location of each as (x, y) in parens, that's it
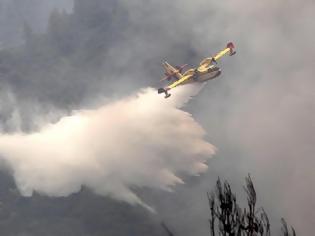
(140, 141)
(14, 14)
(261, 110)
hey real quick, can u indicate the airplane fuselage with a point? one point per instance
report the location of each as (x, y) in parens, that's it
(203, 76)
(208, 76)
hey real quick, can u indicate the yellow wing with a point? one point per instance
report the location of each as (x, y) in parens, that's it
(185, 78)
(207, 62)
(178, 82)
(222, 53)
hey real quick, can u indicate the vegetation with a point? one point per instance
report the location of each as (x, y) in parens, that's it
(228, 219)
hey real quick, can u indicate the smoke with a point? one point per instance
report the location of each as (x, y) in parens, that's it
(140, 141)
(260, 111)
(14, 14)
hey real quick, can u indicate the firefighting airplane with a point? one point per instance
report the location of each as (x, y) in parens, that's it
(206, 70)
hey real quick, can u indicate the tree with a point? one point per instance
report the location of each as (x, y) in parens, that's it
(228, 219)
(285, 229)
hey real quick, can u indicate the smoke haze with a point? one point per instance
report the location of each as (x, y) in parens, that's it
(259, 113)
(14, 14)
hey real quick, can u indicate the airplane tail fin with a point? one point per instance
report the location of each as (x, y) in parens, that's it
(168, 68)
(171, 71)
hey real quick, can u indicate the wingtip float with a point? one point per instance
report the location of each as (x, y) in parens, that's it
(206, 70)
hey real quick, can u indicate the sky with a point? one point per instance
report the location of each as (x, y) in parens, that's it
(259, 114)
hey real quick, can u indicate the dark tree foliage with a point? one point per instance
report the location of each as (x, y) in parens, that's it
(228, 219)
(285, 230)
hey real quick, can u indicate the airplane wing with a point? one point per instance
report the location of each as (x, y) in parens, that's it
(180, 81)
(210, 60)
(183, 79)
(173, 85)
(229, 49)
(221, 54)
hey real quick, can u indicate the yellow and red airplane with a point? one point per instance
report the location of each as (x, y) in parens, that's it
(206, 70)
